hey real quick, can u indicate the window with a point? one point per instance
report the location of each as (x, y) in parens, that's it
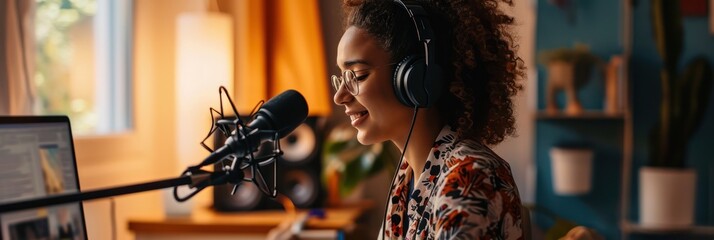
(83, 66)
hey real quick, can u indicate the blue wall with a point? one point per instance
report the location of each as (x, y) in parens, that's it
(597, 24)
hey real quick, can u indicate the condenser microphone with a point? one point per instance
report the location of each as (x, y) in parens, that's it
(280, 115)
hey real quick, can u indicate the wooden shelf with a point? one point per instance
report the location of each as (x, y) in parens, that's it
(586, 115)
(631, 227)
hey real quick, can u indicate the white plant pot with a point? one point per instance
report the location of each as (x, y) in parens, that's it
(667, 197)
(572, 170)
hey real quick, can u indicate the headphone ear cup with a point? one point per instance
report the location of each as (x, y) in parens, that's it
(408, 81)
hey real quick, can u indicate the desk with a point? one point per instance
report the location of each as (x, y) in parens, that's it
(204, 223)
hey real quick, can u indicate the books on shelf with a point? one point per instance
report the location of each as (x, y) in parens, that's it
(614, 101)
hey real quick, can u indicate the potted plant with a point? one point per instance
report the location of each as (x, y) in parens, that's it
(347, 163)
(569, 70)
(683, 105)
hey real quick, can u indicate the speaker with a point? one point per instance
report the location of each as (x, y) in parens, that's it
(298, 173)
(417, 78)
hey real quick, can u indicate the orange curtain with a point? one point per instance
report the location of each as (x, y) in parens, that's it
(279, 46)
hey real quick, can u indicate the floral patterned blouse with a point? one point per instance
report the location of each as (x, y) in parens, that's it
(465, 191)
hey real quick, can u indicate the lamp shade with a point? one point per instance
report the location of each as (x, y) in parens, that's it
(204, 62)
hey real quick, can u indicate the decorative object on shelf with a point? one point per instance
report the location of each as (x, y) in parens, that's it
(571, 168)
(683, 105)
(568, 70)
(347, 163)
(614, 101)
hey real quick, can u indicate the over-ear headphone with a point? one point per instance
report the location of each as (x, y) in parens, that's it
(417, 78)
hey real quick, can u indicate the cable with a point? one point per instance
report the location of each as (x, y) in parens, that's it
(394, 176)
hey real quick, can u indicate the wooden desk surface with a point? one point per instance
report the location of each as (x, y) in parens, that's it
(206, 220)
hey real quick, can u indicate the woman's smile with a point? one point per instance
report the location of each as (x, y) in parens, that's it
(357, 118)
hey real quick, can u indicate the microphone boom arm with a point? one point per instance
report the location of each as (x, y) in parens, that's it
(199, 180)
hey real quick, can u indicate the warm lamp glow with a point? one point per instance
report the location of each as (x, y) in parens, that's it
(204, 62)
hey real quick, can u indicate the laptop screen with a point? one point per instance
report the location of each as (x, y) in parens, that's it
(37, 160)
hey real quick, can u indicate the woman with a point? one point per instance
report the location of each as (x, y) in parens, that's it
(449, 183)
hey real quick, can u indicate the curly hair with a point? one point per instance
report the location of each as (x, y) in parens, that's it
(475, 49)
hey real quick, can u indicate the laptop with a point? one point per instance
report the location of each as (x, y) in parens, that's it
(37, 160)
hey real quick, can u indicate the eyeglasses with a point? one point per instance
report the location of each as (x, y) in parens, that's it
(350, 80)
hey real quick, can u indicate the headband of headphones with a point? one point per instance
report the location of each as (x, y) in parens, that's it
(423, 29)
